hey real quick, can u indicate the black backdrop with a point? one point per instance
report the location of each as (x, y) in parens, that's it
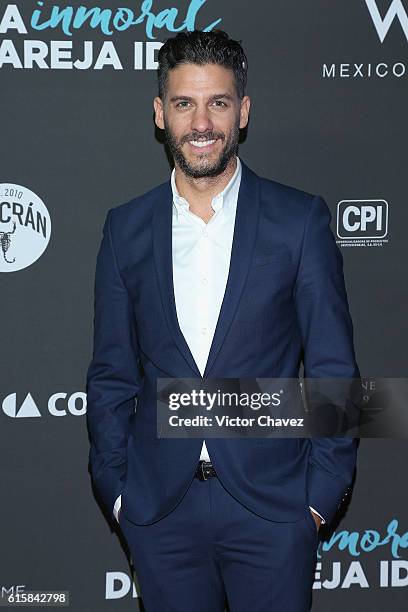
(329, 94)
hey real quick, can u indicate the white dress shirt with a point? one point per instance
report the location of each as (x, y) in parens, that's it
(201, 259)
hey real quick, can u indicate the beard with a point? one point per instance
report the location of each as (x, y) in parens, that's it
(203, 167)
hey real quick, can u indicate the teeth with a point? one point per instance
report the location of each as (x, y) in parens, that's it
(201, 143)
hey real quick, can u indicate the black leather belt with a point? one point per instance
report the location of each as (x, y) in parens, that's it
(205, 470)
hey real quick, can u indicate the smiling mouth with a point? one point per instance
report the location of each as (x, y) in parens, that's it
(202, 144)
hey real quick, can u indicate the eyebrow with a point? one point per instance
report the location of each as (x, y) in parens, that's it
(211, 99)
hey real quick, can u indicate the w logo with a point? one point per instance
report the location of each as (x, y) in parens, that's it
(383, 25)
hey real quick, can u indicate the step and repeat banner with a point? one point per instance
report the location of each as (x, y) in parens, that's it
(329, 89)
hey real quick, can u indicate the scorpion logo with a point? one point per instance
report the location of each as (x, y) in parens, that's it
(5, 242)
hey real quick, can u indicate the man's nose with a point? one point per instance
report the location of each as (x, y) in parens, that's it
(201, 120)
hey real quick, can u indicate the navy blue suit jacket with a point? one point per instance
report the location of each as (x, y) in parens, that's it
(285, 295)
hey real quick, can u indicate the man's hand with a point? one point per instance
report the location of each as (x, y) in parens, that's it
(317, 519)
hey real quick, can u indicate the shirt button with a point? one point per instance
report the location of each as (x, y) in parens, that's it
(203, 330)
(205, 233)
(204, 281)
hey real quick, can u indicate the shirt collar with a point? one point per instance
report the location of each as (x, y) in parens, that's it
(217, 202)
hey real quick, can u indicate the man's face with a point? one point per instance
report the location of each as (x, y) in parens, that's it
(201, 115)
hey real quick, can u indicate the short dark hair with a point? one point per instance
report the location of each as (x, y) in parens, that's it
(198, 47)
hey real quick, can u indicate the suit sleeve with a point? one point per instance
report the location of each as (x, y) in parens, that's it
(327, 334)
(113, 378)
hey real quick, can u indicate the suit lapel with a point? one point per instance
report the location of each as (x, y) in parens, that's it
(246, 222)
(242, 246)
(163, 257)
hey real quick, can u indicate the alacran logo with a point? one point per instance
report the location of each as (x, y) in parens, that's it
(396, 10)
(25, 227)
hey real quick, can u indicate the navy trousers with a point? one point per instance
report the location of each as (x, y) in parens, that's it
(211, 549)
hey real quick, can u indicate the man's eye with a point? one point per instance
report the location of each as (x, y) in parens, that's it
(220, 103)
(182, 104)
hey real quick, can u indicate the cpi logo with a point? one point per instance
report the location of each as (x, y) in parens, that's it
(362, 219)
(396, 10)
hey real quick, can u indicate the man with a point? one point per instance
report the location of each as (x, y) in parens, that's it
(215, 273)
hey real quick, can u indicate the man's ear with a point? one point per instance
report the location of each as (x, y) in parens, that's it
(244, 112)
(158, 112)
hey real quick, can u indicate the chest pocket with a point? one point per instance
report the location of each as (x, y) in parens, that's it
(274, 263)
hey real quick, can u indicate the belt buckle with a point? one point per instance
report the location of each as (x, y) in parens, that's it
(202, 471)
